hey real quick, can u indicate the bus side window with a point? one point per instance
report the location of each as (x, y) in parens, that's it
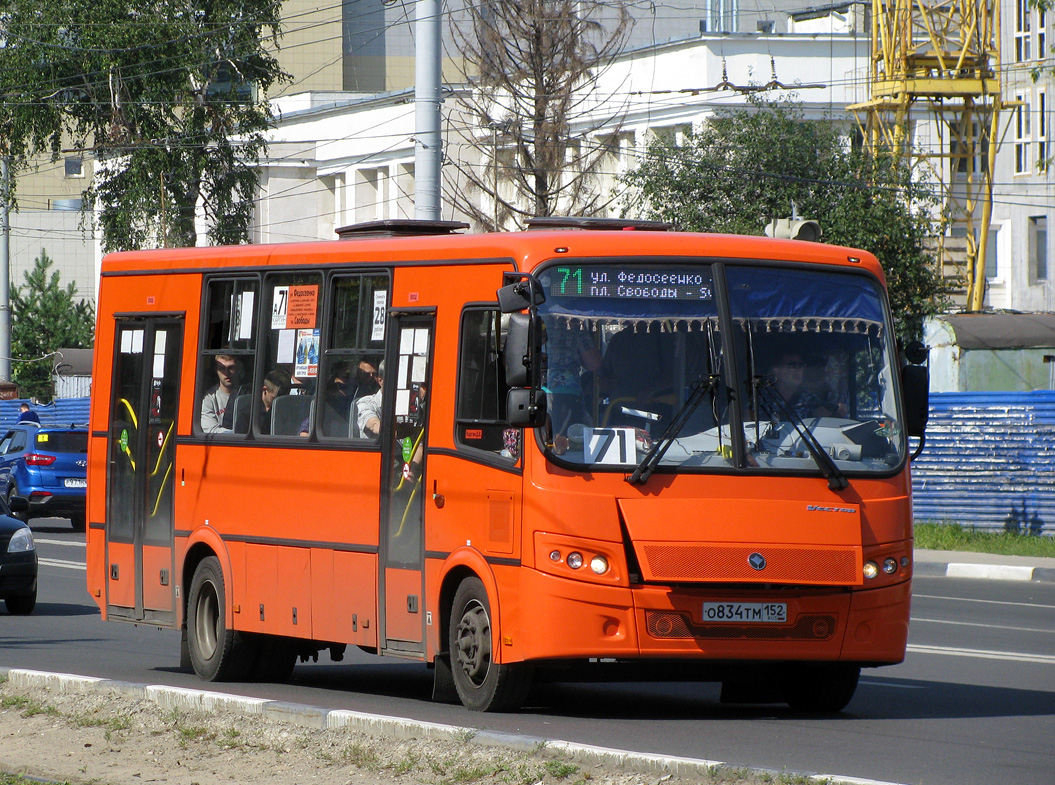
(481, 406)
(282, 399)
(228, 354)
(354, 348)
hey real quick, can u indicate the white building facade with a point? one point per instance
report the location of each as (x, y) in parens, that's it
(337, 159)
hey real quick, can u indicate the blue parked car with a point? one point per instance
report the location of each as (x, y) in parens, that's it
(18, 561)
(47, 465)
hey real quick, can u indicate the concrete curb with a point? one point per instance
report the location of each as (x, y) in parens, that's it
(996, 572)
(183, 699)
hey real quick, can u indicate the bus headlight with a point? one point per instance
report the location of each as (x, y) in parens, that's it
(599, 565)
(575, 560)
(890, 566)
(871, 569)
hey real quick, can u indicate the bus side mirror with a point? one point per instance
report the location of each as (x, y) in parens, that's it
(517, 354)
(915, 386)
(526, 407)
(519, 295)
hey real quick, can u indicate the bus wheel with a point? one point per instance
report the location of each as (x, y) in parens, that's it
(217, 653)
(482, 684)
(824, 688)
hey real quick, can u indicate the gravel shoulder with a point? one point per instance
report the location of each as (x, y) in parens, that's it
(91, 737)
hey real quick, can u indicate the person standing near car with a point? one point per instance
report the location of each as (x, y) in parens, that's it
(25, 414)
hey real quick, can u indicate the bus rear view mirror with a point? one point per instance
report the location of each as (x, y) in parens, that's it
(518, 295)
(517, 354)
(915, 384)
(525, 407)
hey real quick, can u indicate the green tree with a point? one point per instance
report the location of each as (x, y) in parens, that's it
(45, 316)
(747, 166)
(169, 95)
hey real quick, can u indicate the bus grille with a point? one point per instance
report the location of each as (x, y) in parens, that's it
(673, 624)
(730, 564)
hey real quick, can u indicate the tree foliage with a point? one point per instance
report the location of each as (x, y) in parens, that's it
(532, 66)
(45, 316)
(168, 95)
(747, 166)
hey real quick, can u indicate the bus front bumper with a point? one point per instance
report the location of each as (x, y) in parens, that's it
(574, 620)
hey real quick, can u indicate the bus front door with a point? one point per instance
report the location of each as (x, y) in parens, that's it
(141, 454)
(404, 484)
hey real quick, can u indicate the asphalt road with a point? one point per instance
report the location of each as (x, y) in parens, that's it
(973, 704)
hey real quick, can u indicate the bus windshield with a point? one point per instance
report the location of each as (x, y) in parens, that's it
(636, 365)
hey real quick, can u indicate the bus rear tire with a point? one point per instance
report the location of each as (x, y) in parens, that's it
(822, 688)
(481, 683)
(216, 652)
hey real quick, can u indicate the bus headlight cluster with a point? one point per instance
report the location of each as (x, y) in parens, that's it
(889, 566)
(575, 560)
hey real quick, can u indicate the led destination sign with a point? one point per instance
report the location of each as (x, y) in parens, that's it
(620, 283)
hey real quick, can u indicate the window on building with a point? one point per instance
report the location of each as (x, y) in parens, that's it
(74, 166)
(1021, 121)
(970, 155)
(1038, 247)
(1042, 131)
(1023, 38)
(1042, 50)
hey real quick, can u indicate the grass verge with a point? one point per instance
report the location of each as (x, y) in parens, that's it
(954, 537)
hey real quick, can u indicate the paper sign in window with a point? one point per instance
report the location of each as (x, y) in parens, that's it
(377, 329)
(303, 306)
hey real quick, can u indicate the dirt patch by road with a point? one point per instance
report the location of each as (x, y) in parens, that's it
(120, 740)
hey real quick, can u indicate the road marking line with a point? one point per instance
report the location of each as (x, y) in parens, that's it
(69, 565)
(59, 542)
(1044, 659)
(987, 626)
(988, 602)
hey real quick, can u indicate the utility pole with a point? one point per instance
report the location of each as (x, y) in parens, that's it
(428, 150)
(5, 269)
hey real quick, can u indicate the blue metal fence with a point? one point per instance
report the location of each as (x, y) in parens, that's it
(63, 411)
(989, 462)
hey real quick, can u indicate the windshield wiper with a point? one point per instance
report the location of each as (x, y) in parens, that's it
(775, 401)
(662, 444)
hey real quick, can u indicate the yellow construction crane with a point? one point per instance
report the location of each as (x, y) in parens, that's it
(941, 59)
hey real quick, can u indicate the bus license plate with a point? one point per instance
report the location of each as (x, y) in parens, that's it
(761, 612)
(74, 482)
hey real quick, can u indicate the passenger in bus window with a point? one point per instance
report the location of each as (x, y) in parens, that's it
(276, 383)
(368, 408)
(214, 406)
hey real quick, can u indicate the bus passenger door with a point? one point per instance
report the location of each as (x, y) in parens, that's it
(141, 453)
(403, 483)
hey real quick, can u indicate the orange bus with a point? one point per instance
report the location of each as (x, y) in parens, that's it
(594, 449)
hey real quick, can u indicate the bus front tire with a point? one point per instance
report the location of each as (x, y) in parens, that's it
(824, 688)
(481, 683)
(216, 653)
